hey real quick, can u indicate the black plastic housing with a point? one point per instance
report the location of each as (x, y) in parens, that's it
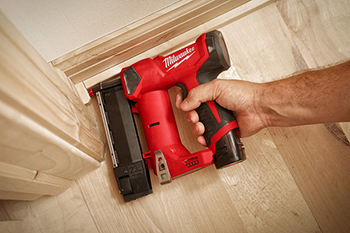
(130, 169)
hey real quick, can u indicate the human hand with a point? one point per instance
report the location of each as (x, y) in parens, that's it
(241, 97)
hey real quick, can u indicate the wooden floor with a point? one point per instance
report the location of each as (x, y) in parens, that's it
(294, 179)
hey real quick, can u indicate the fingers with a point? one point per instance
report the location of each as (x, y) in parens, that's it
(198, 95)
(179, 98)
(201, 140)
(198, 128)
(192, 116)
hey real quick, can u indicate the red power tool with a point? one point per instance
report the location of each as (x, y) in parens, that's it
(147, 82)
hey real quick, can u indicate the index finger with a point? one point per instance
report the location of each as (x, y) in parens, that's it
(179, 98)
(200, 94)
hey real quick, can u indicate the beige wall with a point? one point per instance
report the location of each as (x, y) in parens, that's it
(55, 27)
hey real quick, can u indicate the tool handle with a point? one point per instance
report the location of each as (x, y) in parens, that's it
(221, 129)
(221, 133)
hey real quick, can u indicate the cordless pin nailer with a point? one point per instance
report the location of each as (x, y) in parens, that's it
(146, 83)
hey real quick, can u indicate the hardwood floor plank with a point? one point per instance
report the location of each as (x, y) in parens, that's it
(264, 192)
(271, 47)
(11, 226)
(66, 212)
(346, 128)
(320, 29)
(261, 46)
(319, 162)
(192, 203)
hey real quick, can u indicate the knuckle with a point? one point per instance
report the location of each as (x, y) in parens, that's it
(193, 93)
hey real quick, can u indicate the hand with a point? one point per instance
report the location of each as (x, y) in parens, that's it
(241, 97)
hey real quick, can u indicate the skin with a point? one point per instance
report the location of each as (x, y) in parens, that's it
(319, 96)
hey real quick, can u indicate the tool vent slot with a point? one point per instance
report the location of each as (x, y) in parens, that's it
(154, 124)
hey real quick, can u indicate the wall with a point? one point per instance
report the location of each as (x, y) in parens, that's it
(55, 27)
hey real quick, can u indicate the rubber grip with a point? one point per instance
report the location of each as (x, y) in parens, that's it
(211, 122)
(227, 148)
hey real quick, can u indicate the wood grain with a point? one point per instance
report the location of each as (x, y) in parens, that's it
(66, 212)
(325, 25)
(18, 179)
(11, 226)
(24, 143)
(346, 128)
(47, 134)
(8, 195)
(277, 52)
(320, 30)
(318, 25)
(319, 162)
(177, 207)
(83, 93)
(264, 191)
(25, 83)
(294, 179)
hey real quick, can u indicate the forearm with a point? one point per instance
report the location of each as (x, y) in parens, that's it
(308, 98)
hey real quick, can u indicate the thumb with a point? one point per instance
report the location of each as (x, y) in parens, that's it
(200, 94)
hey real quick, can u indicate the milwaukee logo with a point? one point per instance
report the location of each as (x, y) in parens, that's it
(178, 59)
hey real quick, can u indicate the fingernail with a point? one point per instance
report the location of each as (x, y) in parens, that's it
(190, 119)
(196, 130)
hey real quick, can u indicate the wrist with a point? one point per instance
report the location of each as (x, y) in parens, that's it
(284, 103)
(274, 104)
(261, 104)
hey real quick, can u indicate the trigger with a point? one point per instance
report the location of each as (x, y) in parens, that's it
(184, 89)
